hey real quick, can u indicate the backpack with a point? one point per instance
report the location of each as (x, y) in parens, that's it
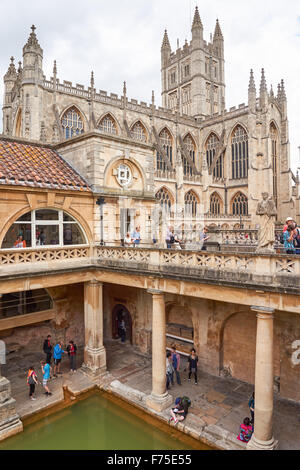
(172, 239)
(186, 400)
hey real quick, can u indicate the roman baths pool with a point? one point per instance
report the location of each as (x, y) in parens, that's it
(99, 421)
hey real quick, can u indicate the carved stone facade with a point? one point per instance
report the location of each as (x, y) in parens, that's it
(191, 148)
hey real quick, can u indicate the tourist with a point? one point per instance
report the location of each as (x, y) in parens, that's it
(20, 243)
(31, 381)
(297, 239)
(57, 354)
(246, 431)
(179, 412)
(169, 370)
(46, 369)
(288, 239)
(203, 238)
(127, 240)
(176, 364)
(289, 223)
(170, 238)
(122, 329)
(42, 237)
(72, 350)
(251, 405)
(47, 348)
(193, 361)
(136, 237)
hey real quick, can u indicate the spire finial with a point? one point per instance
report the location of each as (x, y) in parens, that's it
(283, 95)
(92, 79)
(12, 59)
(124, 89)
(166, 42)
(218, 32)
(33, 28)
(197, 23)
(252, 82)
(263, 83)
(153, 98)
(54, 68)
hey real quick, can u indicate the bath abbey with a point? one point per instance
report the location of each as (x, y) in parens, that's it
(94, 187)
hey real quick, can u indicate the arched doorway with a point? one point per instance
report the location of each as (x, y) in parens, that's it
(120, 312)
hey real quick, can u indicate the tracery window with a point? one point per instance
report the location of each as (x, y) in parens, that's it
(138, 132)
(44, 227)
(108, 125)
(190, 148)
(191, 204)
(72, 123)
(212, 144)
(240, 205)
(166, 142)
(239, 153)
(164, 199)
(274, 153)
(215, 204)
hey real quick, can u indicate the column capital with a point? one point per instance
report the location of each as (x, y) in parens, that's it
(155, 292)
(94, 282)
(263, 312)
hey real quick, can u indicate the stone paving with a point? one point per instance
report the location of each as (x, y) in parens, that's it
(219, 403)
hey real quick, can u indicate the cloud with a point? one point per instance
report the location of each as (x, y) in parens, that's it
(121, 39)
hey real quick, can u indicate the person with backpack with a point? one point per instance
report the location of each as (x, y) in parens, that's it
(57, 354)
(47, 348)
(72, 350)
(246, 431)
(32, 382)
(176, 365)
(180, 411)
(193, 362)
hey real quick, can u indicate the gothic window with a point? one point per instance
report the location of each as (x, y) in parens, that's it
(164, 199)
(44, 227)
(108, 125)
(274, 153)
(138, 132)
(215, 204)
(240, 205)
(191, 204)
(212, 144)
(72, 123)
(190, 148)
(239, 153)
(166, 142)
(186, 70)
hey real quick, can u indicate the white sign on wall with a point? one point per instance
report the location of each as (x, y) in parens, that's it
(2, 353)
(296, 354)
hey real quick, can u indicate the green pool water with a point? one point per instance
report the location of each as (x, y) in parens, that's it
(96, 423)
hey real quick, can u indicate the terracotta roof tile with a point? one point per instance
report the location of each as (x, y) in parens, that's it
(37, 166)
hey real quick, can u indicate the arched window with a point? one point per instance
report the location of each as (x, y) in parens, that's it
(190, 204)
(72, 123)
(108, 125)
(138, 132)
(239, 153)
(212, 144)
(240, 205)
(22, 303)
(191, 149)
(274, 152)
(164, 199)
(166, 142)
(215, 204)
(44, 227)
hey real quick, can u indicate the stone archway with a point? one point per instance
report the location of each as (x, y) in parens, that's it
(118, 312)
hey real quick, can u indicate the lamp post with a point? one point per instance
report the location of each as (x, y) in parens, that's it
(100, 202)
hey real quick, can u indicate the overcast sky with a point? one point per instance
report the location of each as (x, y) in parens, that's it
(121, 39)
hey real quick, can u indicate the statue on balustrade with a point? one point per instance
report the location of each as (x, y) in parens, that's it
(267, 211)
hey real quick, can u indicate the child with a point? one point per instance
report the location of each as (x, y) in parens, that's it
(31, 381)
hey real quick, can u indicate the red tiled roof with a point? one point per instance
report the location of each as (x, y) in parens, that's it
(36, 166)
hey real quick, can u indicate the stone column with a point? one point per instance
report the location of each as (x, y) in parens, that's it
(94, 351)
(262, 438)
(159, 398)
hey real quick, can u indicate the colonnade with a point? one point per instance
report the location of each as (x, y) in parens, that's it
(159, 399)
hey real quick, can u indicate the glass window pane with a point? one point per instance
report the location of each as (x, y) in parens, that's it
(18, 236)
(46, 214)
(68, 218)
(73, 235)
(47, 235)
(25, 217)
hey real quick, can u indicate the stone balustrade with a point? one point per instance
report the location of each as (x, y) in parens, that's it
(279, 271)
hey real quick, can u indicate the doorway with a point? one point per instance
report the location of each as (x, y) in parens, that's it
(121, 313)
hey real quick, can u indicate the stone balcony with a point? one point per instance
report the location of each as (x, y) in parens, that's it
(277, 273)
